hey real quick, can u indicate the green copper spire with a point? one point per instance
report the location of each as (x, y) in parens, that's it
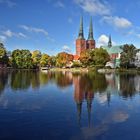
(81, 33)
(110, 42)
(90, 35)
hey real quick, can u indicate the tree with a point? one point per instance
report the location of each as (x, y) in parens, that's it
(63, 58)
(36, 56)
(52, 61)
(100, 56)
(22, 59)
(70, 57)
(128, 56)
(2, 50)
(3, 54)
(44, 60)
(85, 57)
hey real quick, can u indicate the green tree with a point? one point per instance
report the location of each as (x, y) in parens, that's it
(52, 61)
(22, 59)
(100, 56)
(2, 50)
(44, 60)
(128, 56)
(36, 56)
(3, 54)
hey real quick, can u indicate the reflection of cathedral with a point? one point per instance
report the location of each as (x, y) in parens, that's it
(80, 95)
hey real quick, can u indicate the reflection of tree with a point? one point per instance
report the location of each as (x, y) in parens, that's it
(63, 79)
(23, 79)
(127, 85)
(35, 82)
(43, 78)
(3, 80)
(99, 83)
(20, 79)
(92, 82)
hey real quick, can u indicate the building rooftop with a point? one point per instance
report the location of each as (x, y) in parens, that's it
(76, 57)
(113, 49)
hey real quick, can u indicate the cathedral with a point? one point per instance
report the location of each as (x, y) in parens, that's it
(83, 44)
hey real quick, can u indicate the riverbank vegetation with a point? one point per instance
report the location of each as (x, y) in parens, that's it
(88, 60)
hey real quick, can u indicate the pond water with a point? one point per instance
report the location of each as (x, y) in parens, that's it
(66, 106)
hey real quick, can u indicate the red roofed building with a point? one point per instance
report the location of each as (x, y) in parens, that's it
(76, 58)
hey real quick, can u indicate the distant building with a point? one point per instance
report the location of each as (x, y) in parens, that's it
(137, 83)
(137, 59)
(114, 52)
(83, 44)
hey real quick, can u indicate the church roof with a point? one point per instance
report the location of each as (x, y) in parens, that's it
(113, 49)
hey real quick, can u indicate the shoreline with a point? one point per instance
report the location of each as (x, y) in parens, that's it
(83, 70)
(69, 70)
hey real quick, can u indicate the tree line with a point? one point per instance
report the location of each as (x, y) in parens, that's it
(24, 59)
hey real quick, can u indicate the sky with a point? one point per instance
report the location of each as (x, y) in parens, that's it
(52, 26)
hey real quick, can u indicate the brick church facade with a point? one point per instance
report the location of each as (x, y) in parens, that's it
(83, 44)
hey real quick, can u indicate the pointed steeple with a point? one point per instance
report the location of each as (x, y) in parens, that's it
(90, 35)
(108, 98)
(81, 32)
(89, 103)
(79, 109)
(110, 42)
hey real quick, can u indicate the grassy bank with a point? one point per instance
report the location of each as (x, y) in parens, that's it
(120, 70)
(69, 69)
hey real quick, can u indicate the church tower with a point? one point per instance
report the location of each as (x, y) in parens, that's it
(80, 41)
(110, 42)
(90, 43)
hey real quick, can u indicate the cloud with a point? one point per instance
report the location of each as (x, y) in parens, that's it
(120, 116)
(33, 29)
(94, 7)
(9, 33)
(138, 35)
(103, 41)
(59, 4)
(9, 3)
(2, 38)
(37, 30)
(22, 35)
(66, 48)
(134, 32)
(118, 22)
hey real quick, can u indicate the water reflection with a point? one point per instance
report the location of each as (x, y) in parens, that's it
(23, 79)
(3, 80)
(90, 92)
(85, 84)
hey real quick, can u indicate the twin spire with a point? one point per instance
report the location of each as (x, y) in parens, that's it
(81, 32)
(90, 35)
